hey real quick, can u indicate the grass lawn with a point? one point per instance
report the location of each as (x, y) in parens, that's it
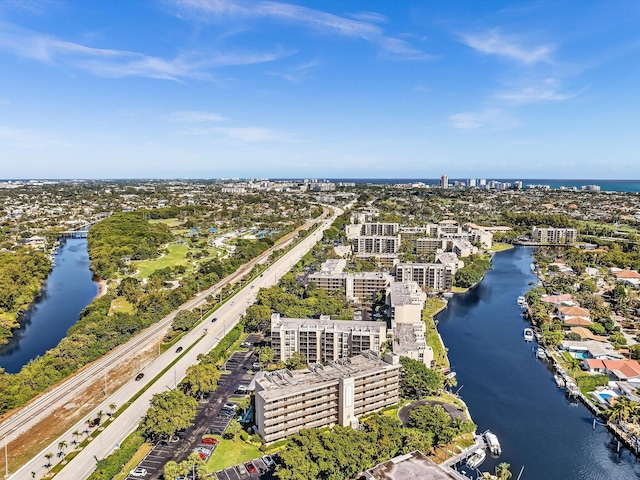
(433, 339)
(458, 289)
(499, 247)
(176, 256)
(169, 222)
(131, 464)
(229, 453)
(120, 304)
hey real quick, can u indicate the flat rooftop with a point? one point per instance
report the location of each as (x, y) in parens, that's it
(412, 466)
(325, 323)
(275, 384)
(406, 293)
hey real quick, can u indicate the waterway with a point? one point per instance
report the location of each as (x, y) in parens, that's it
(514, 395)
(68, 289)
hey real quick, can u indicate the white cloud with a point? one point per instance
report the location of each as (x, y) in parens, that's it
(243, 134)
(488, 120)
(121, 63)
(362, 27)
(534, 95)
(493, 42)
(190, 116)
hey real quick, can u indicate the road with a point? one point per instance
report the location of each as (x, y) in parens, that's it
(228, 316)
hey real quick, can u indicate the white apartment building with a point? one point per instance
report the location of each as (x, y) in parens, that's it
(323, 396)
(357, 287)
(406, 301)
(323, 339)
(376, 244)
(436, 276)
(554, 235)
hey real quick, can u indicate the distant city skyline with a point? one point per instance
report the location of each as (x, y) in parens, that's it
(319, 89)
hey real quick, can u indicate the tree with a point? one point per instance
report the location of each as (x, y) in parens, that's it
(503, 472)
(623, 409)
(416, 379)
(169, 412)
(75, 434)
(634, 350)
(574, 365)
(48, 456)
(112, 408)
(234, 428)
(200, 379)
(172, 470)
(266, 355)
(296, 361)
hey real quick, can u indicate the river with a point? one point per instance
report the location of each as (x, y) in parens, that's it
(514, 395)
(68, 289)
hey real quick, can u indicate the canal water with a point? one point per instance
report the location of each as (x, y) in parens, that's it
(68, 289)
(514, 395)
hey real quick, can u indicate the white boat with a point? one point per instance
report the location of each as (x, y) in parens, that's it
(477, 458)
(541, 354)
(522, 301)
(492, 442)
(559, 381)
(528, 334)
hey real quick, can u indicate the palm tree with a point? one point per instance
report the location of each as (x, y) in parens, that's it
(112, 407)
(48, 456)
(61, 446)
(503, 472)
(623, 409)
(75, 434)
(574, 364)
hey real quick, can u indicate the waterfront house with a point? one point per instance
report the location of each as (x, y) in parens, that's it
(629, 277)
(575, 316)
(591, 349)
(565, 299)
(618, 370)
(586, 334)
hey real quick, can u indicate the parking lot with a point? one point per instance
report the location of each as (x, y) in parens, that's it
(211, 419)
(263, 471)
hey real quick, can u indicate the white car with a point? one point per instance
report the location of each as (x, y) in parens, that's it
(268, 461)
(138, 472)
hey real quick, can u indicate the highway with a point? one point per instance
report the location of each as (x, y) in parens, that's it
(228, 315)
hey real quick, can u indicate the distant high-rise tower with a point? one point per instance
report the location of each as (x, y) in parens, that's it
(444, 181)
(471, 182)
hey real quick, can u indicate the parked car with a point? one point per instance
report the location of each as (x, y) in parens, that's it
(209, 441)
(242, 470)
(245, 345)
(268, 461)
(256, 365)
(178, 350)
(140, 376)
(214, 319)
(251, 468)
(230, 406)
(216, 430)
(242, 389)
(138, 472)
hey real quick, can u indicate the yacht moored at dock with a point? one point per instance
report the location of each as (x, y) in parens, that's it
(541, 354)
(492, 442)
(522, 302)
(559, 380)
(528, 334)
(477, 458)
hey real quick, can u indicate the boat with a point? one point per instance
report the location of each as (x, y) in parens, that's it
(528, 334)
(541, 354)
(476, 459)
(492, 443)
(559, 381)
(522, 302)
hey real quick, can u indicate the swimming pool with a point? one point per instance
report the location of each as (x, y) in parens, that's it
(604, 396)
(581, 355)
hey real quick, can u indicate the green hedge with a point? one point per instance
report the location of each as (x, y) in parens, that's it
(109, 467)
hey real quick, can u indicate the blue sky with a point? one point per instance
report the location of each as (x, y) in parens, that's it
(388, 89)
